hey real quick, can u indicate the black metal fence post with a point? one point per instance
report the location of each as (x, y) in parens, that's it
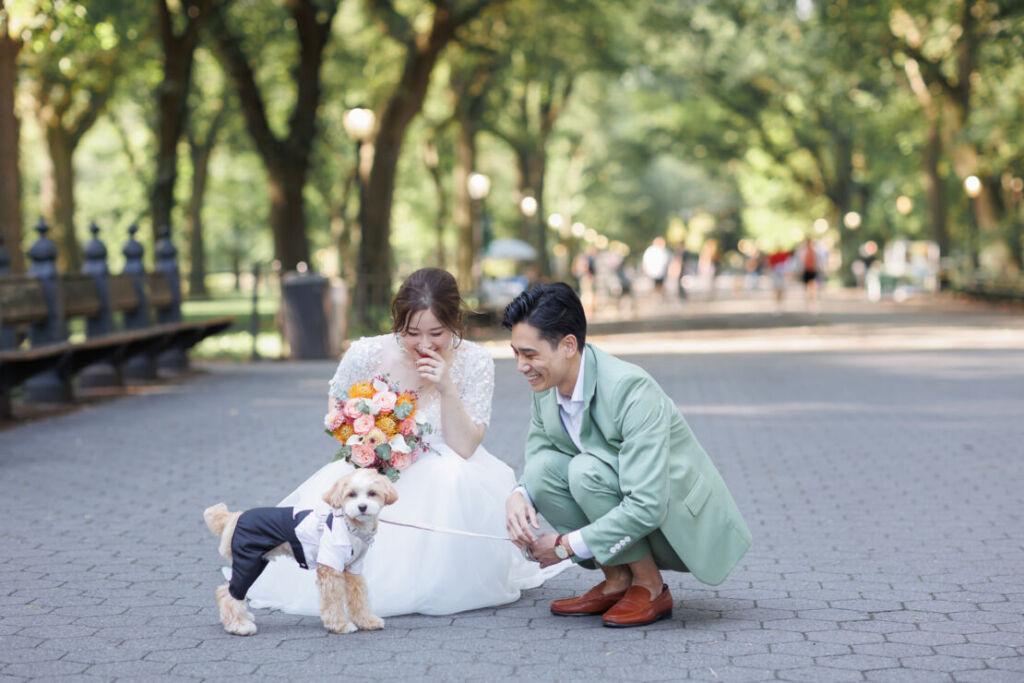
(103, 373)
(48, 386)
(6, 332)
(254, 323)
(174, 358)
(139, 367)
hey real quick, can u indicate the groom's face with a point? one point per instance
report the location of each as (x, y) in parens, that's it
(543, 365)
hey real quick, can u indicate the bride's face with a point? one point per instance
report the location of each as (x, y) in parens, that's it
(425, 331)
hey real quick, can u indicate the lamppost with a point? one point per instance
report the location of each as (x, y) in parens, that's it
(359, 124)
(972, 186)
(479, 185)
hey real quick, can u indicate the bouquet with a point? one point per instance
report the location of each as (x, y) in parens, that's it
(378, 427)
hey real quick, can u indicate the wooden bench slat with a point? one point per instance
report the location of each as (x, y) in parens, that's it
(159, 290)
(123, 296)
(80, 296)
(22, 300)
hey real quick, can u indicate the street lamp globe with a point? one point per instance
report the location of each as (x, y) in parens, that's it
(851, 220)
(359, 123)
(555, 221)
(972, 186)
(478, 185)
(528, 205)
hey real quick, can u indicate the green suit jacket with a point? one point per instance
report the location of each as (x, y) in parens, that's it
(666, 479)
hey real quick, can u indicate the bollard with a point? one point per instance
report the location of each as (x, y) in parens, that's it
(140, 367)
(102, 373)
(48, 386)
(174, 359)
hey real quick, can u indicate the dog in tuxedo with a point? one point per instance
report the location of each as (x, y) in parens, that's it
(333, 538)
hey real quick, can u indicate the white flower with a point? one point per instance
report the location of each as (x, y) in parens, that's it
(380, 385)
(398, 444)
(354, 440)
(419, 417)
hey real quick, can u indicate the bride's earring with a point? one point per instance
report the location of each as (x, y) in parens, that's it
(398, 340)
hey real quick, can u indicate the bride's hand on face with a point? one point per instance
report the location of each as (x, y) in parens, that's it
(433, 367)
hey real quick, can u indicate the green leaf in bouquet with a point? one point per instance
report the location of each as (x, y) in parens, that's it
(402, 411)
(328, 432)
(384, 452)
(365, 406)
(344, 453)
(391, 473)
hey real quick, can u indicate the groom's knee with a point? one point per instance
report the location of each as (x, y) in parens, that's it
(545, 471)
(590, 476)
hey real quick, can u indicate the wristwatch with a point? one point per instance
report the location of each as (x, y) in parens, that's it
(561, 550)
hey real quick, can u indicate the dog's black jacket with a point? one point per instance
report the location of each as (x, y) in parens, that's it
(259, 530)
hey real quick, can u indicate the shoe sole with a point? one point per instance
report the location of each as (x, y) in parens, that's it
(579, 614)
(663, 615)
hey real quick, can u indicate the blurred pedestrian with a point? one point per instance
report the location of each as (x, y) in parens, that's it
(778, 263)
(655, 262)
(811, 258)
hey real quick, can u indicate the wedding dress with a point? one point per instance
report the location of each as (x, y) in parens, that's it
(411, 570)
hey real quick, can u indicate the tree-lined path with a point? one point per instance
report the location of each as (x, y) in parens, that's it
(881, 480)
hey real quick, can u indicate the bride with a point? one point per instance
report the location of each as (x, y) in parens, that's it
(456, 484)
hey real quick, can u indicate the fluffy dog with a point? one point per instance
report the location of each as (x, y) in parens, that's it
(333, 538)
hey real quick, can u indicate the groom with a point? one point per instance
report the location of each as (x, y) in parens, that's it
(614, 468)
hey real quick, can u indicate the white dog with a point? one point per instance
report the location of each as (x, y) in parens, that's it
(333, 538)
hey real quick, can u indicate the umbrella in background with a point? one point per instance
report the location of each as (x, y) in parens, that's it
(509, 248)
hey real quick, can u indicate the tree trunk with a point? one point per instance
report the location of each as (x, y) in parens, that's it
(532, 165)
(172, 112)
(288, 214)
(10, 176)
(200, 154)
(935, 197)
(60, 209)
(287, 160)
(462, 209)
(373, 287)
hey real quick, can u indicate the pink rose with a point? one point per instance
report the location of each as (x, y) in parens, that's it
(363, 455)
(401, 461)
(333, 420)
(384, 401)
(407, 427)
(363, 424)
(351, 409)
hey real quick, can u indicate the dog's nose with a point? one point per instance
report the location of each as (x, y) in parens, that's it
(362, 507)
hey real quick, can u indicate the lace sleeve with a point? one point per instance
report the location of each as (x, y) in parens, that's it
(355, 365)
(476, 382)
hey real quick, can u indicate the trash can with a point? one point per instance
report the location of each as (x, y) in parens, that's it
(305, 315)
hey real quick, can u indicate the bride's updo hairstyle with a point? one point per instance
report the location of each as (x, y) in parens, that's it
(432, 288)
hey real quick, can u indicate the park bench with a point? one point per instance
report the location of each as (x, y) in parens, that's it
(35, 308)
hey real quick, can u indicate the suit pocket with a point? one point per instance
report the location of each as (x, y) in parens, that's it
(697, 496)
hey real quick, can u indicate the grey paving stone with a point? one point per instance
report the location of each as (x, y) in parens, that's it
(907, 676)
(817, 673)
(857, 662)
(943, 663)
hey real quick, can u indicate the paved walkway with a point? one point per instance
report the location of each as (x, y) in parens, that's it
(883, 482)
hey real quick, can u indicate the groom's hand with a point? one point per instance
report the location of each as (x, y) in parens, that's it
(519, 516)
(544, 550)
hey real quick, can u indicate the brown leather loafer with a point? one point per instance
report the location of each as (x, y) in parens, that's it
(637, 609)
(591, 602)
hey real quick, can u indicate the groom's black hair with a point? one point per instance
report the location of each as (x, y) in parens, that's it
(553, 309)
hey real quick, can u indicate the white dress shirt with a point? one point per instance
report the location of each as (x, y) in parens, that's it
(570, 410)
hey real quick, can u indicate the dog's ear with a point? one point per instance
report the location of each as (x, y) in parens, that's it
(390, 492)
(335, 496)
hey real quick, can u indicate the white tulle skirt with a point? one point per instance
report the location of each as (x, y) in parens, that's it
(413, 571)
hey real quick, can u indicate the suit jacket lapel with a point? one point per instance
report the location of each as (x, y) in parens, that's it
(553, 423)
(589, 389)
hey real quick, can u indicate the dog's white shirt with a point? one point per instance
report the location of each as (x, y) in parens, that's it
(333, 546)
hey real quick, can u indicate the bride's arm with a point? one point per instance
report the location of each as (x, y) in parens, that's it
(460, 432)
(465, 393)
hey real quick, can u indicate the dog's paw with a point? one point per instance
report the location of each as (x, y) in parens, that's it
(242, 628)
(371, 623)
(340, 626)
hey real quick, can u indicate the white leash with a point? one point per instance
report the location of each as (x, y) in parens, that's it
(443, 530)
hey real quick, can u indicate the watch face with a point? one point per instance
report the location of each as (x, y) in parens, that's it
(560, 552)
